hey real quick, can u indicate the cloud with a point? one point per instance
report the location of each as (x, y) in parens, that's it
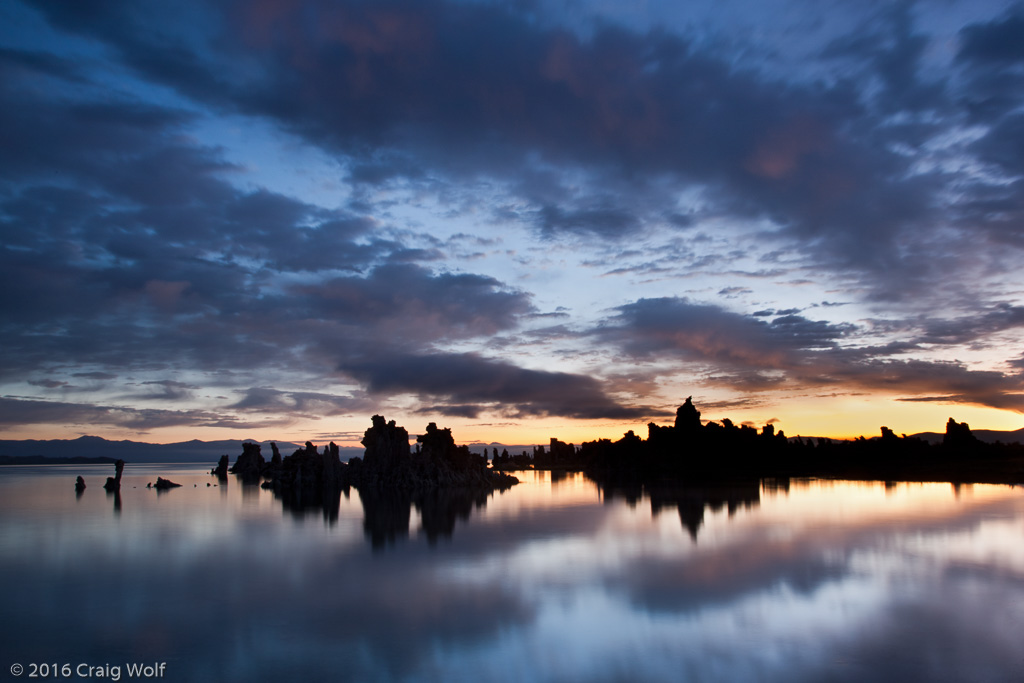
(96, 375)
(990, 55)
(969, 328)
(408, 299)
(17, 64)
(470, 411)
(395, 608)
(670, 586)
(166, 390)
(751, 353)
(707, 332)
(137, 246)
(952, 379)
(471, 384)
(143, 257)
(588, 135)
(997, 41)
(890, 49)
(48, 383)
(300, 328)
(15, 412)
(938, 640)
(298, 403)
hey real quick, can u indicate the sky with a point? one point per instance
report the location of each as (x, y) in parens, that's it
(521, 220)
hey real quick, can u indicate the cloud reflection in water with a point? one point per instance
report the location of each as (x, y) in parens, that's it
(546, 582)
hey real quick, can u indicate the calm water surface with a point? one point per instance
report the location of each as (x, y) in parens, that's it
(553, 580)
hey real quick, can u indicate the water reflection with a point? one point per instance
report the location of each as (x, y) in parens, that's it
(303, 504)
(691, 500)
(116, 496)
(551, 581)
(387, 512)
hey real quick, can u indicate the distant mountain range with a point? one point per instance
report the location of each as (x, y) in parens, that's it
(986, 435)
(139, 452)
(43, 460)
(210, 451)
(185, 451)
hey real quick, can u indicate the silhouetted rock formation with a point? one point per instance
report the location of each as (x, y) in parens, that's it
(958, 436)
(558, 456)
(250, 464)
(437, 462)
(523, 461)
(221, 470)
(308, 479)
(387, 458)
(443, 480)
(692, 466)
(164, 484)
(114, 483)
(79, 484)
(687, 417)
(692, 451)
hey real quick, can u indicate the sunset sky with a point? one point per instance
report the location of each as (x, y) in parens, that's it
(272, 219)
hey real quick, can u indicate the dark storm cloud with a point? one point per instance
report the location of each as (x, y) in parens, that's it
(710, 333)
(92, 180)
(470, 411)
(991, 55)
(1003, 145)
(952, 380)
(452, 91)
(33, 64)
(282, 405)
(998, 41)
(468, 380)
(208, 318)
(970, 328)
(999, 206)
(166, 390)
(126, 245)
(94, 375)
(602, 220)
(15, 412)
(411, 299)
(890, 49)
(303, 328)
(47, 383)
(752, 353)
(299, 403)
(144, 257)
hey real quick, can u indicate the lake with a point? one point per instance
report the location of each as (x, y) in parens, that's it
(552, 580)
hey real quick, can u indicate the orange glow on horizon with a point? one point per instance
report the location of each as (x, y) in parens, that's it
(835, 418)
